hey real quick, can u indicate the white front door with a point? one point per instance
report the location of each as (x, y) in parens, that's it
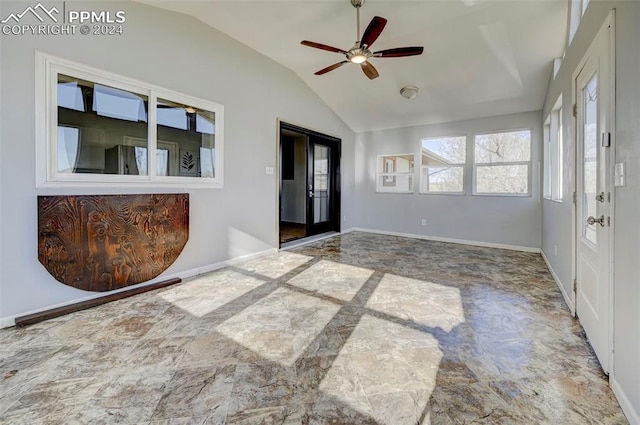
(594, 119)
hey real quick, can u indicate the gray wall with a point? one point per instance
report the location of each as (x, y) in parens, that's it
(294, 192)
(178, 53)
(490, 219)
(558, 217)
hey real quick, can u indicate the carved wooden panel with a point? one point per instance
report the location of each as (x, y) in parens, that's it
(106, 242)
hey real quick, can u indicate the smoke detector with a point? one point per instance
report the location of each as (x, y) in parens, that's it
(409, 92)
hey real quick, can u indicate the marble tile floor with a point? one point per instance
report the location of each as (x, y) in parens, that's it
(356, 329)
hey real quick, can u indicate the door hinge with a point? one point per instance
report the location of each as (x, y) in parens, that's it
(575, 110)
(606, 140)
(574, 197)
(608, 221)
(609, 197)
(575, 285)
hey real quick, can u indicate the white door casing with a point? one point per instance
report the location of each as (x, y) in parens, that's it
(593, 91)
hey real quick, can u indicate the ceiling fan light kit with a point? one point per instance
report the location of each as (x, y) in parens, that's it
(360, 53)
(409, 92)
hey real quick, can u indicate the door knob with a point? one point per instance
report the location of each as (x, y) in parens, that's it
(591, 220)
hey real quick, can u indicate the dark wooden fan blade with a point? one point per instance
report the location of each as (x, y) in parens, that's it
(369, 70)
(373, 31)
(322, 46)
(399, 52)
(330, 68)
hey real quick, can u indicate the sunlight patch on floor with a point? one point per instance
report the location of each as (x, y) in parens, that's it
(207, 293)
(340, 281)
(280, 326)
(276, 265)
(425, 303)
(385, 370)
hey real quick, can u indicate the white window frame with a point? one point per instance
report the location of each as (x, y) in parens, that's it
(546, 162)
(575, 13)
(463, 165)
(383, 173)
(553, 155)
(47, 69)
(492, 164)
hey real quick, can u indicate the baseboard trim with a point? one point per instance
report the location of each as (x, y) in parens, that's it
(570, 302)
(72, 308)
(9, 321)
(632, 415)
(450, 240)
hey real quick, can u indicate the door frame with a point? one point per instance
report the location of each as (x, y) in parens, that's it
(336, 193)
(609, 22)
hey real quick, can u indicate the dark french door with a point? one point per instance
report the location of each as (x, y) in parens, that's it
(321, 197)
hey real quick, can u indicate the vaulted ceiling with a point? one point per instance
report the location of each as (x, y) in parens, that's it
(481, 57)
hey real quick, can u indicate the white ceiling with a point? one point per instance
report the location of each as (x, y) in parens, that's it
(481, 57)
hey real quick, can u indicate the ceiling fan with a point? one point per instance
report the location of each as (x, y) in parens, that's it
(360, 53)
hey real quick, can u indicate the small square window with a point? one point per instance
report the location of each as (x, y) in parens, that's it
(395, 173)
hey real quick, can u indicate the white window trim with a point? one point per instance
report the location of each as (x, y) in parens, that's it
(463, 165)
(47, 67)
(482, 164)
(546, 159)
(380, 173)
(553, 145)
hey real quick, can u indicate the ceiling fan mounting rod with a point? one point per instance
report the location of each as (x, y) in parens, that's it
(357, 4)
(358, 25)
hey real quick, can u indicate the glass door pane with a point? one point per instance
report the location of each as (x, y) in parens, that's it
(590, 158)
(321, 183)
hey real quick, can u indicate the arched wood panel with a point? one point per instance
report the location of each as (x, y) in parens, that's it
(105, 242)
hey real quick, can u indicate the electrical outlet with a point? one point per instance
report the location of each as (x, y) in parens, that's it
(268, 171)
(345, 218)
(424, 221)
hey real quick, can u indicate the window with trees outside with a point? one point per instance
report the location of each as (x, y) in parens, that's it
(552, 177)
(395, 173)
(442, 165)
(502, 163)
(100, 128)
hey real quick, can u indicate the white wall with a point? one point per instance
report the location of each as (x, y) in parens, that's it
(182, 54)
(625, 377)
(514, 221)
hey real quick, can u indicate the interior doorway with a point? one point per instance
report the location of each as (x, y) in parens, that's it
(309, 183)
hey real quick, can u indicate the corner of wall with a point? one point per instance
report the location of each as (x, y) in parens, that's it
(567, 299)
